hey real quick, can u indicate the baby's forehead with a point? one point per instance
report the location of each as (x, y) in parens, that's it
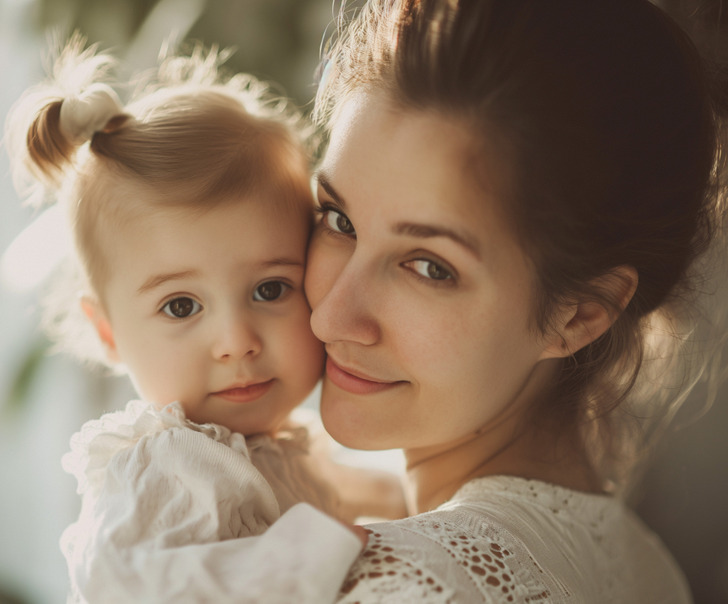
(165, 212)
(230, 240)
(132, 198)
(122, 210)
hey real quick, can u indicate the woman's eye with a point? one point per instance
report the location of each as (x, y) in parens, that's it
(269, 291)
(181, 308)
(430, 270)
(337, 222)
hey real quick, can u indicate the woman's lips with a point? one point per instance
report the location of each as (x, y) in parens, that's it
(246, 394)
(355, 384)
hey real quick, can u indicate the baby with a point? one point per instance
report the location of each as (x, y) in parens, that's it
(191, 209)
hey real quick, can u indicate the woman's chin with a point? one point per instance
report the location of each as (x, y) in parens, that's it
(348, 435)
(344, 425)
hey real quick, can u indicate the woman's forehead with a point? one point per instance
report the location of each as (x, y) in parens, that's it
(419, 161)
(370, 137)
(411, 175)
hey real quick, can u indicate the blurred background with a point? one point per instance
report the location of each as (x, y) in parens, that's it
(44, 398)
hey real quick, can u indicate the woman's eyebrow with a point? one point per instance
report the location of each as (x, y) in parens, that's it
(426, 231)
(411, 229)
(326, 185)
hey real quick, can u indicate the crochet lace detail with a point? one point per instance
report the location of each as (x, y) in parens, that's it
(503, 539)
(430, 559)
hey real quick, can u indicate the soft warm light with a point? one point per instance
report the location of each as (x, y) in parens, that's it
(35, 252)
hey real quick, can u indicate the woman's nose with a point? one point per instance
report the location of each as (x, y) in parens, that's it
(237, 338)
(345, 308)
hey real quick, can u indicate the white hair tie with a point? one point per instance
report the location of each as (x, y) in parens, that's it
(89, 112)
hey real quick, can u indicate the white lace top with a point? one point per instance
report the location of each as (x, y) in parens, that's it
(510, 540)
(178, 512)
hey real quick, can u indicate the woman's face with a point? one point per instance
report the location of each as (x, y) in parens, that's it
(419, 291)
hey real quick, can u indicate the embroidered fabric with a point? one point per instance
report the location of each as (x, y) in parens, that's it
(509, 540)
(289, 468)
(176, 512)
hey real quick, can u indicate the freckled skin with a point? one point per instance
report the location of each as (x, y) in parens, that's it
(459, 349)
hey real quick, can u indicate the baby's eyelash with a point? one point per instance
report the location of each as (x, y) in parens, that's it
(181, 307)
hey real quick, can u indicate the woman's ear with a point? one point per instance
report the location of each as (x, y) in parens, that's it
(578, 324)
(95, 313)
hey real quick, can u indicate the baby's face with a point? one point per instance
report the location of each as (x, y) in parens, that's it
(209, 310)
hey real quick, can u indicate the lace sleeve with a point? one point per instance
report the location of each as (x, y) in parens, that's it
(431, 560)
(392, 569)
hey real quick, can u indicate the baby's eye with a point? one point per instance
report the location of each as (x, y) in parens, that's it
(181, 308)
(269, 291)
(336, 221)
(430, 270)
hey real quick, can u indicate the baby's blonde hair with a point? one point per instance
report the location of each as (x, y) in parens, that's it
(188, 138)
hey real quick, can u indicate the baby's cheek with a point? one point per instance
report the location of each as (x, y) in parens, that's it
(310, 355)
(160, 382)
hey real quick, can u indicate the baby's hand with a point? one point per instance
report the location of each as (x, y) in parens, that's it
(369, 494)
(360, 532)
(361, 492)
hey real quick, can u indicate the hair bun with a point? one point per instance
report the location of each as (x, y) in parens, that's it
(83, 115)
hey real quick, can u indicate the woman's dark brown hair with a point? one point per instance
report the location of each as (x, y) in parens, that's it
(601, 114)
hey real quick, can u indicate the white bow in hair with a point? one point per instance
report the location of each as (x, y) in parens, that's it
(89, 112)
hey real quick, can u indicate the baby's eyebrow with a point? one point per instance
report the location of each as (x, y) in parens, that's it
(281, 262)
(157, 280)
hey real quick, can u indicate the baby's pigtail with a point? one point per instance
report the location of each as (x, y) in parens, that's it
(48, 150)
(64, 125)
(52, 120)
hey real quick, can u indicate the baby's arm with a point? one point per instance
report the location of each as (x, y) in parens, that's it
(361, 492)
(303, 557)
(163, 518)
(301, 464)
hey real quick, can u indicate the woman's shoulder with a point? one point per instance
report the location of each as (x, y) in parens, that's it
(505, 539)
(443, 557)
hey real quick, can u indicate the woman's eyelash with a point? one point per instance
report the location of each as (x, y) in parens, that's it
(341, 224)
(325, 207)
(431, 272)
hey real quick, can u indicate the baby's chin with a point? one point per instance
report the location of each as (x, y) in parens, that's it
(247, 419)
(246, 427)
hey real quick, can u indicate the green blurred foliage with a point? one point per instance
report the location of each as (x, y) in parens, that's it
(26, 374)
(276, 40)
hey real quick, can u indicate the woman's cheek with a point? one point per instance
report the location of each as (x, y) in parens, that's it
(323, 265)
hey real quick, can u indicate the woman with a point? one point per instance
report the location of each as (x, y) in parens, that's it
(512, 202)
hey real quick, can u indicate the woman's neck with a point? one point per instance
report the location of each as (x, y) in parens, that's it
(511, 446)
(434, 478)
